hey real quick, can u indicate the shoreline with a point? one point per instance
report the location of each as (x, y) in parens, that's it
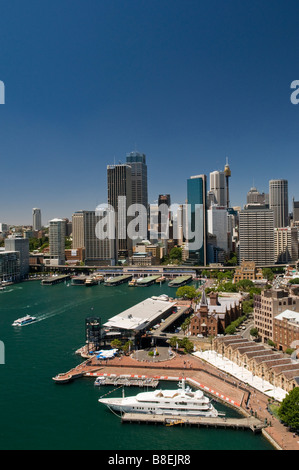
(232, 392)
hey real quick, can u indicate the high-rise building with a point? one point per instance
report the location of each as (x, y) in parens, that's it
(256, 235)
(197, 219)
(278, 202)
(99, 251)
(255, 197)
(20, 245)
(137, 162)
(37, 219)
(295, 211)
(120, 199)
(10, 266)
(218, 193)
(286, 244)
(218, 224)
(164, 217)
(57, 241)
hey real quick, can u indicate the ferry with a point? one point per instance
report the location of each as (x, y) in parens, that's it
(24, 321)
(180, 402)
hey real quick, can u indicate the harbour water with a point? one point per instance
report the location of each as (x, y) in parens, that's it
(38, 414)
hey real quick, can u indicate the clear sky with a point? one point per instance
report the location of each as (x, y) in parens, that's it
(187, 82)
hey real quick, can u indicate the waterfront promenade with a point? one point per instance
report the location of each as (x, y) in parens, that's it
(250, 401)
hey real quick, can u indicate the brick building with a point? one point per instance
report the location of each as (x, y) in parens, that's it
(215, 313)
(271, 366)
(267, 306)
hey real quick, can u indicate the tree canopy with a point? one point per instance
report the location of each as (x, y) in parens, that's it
(187, 292)
(289, 409)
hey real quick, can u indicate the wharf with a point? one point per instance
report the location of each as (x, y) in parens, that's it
(116, 281)
(180, 281)
(147, 281)
(127, 381)
(251, 423)
(55, 280)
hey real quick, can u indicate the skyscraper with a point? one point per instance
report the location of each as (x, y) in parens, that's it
(197, 219)
(256, 235)
(218, 188)
(57, 241)
(20, 245)
(278, 202)
(119, 179)
(98, 251)
(137, 162)
(37, 219)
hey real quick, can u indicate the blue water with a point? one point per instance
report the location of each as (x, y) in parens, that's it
(38, 414)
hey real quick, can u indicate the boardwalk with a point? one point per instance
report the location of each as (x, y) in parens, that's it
(251, 423)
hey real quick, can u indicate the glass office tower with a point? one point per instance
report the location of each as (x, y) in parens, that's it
(197, 219)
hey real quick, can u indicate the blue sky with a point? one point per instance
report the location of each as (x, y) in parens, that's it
(187, 82)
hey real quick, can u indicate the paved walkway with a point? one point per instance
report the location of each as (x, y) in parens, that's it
(216, 381)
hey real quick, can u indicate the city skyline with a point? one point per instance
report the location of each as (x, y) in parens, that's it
(188, 84)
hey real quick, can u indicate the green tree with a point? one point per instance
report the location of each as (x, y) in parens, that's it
(116, 344)
(187, 292)
(289, 409)
(176, 254)
(268, 274)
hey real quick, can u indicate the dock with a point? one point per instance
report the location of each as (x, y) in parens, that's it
(55, 280)
(254, 424)
(127, 381)
(147, 281)
(180, 281)
(117, 280)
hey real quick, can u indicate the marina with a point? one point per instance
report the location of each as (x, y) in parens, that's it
(180, 281)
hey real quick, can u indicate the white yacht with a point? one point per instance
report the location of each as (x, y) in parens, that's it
(180, 402)
(24, 321)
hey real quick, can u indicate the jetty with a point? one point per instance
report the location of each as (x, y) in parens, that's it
(147, 281)
(117, 280)
(127, 381)
(254, 424)
(55, 280)
(180, 281)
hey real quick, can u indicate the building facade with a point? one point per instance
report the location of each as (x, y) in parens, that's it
(269, 365)
(56, 242)
(278, 202)
(22, 246)
(98, 251)
(215, 314)
(256, 235)
(10, 266)
(37, 219)
(197, 219)
(267, 306)
(119, 179)
(286, 244)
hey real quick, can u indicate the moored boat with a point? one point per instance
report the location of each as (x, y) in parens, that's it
(180, 402)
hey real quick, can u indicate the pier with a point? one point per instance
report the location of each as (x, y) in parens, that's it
(127, 381)
(55, 280)
(116, 281)
(147, 281)
(254, 424)
(180, 281)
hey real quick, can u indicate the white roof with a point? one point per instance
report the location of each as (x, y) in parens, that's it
(137, 317)
(288, 315)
